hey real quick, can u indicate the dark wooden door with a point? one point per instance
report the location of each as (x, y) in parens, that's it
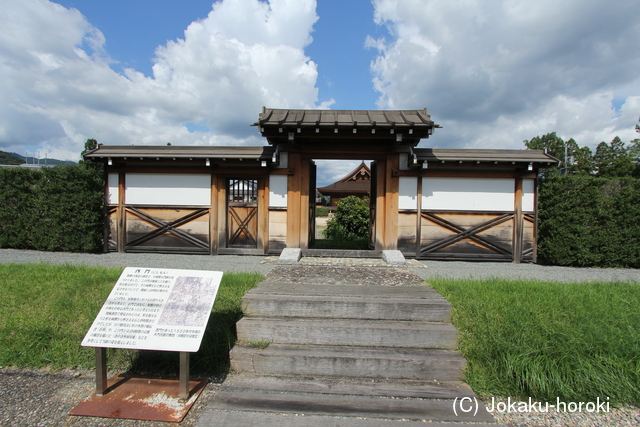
(312, 202)
(372, 205)
(242, 213)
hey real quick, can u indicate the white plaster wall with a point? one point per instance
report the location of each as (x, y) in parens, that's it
(408, 193)
(468, 194)
(528, 195)
(114, 190)
(278, 191)
(168, 189)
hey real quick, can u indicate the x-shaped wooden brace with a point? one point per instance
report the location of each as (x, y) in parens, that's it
(168, 227)
(466, 233)
(243, 226)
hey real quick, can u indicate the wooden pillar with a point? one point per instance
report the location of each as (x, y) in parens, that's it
(419, 218)
(392, 187)
(213, 217)
(381, 208)
(106, 228)
(120, 215)
(518, 222)
(535, 220)
(263, 214)
(293, 202)
(305, 182)
(222, 212)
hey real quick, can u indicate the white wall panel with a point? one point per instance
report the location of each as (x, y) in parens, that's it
(114, 190)
(468, 194)
(278, 191)
(408, 193)
(168, 189)
(528, 195)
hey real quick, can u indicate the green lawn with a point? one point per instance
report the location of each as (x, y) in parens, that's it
(46, 310)
(575, 341)
(523, 339)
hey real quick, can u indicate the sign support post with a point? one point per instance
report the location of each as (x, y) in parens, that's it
(184, 376)
(101, 371)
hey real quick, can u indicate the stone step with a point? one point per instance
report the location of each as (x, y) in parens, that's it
(354, 362)
(350, 386)
(285, 288)
(347, 332)
(347, 307)
(368, 407)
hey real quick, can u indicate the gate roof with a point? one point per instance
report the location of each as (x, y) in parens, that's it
(286, 126)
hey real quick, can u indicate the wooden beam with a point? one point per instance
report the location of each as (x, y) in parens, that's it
(452, 173)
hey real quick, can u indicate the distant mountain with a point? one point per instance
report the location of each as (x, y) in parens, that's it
(10, 159)
(32, 160)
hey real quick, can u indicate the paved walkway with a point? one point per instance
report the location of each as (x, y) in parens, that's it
(262, 264)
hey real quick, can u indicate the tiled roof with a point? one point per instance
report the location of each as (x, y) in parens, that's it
(181, 152)
(346, 118)
(445, 155)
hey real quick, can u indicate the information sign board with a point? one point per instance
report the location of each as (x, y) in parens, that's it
(156, 309)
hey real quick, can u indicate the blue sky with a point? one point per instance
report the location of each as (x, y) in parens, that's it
(195, 72)
(134, 29)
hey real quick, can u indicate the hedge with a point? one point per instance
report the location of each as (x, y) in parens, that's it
(52, 209)
(585, 221)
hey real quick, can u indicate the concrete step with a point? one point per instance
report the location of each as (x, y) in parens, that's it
(368, 407)
(423, 389)
(327, 361)
(211, 418)
(347, 306)
(348, 332)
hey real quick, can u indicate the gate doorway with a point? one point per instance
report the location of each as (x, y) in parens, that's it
(345, 178)
(242, 213)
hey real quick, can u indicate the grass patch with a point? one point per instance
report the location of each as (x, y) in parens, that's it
(47, 309)
(575, 341)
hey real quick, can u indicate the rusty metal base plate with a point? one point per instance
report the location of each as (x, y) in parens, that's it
(140, 398)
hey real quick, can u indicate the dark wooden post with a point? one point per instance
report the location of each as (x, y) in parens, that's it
(184, 376)
(101, 370)
(518, 224)
(121, 212)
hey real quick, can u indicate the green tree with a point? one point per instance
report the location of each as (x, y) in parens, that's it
(614, 159)
(89, 145)
(573, 158)
(350, 220)
(634, 151)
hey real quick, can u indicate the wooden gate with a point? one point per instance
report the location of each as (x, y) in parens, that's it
(242, 213)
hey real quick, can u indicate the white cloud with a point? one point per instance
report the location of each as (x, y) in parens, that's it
(59, 90)
(494, 73)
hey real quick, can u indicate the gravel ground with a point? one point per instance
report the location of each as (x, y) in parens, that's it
(43, 398)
